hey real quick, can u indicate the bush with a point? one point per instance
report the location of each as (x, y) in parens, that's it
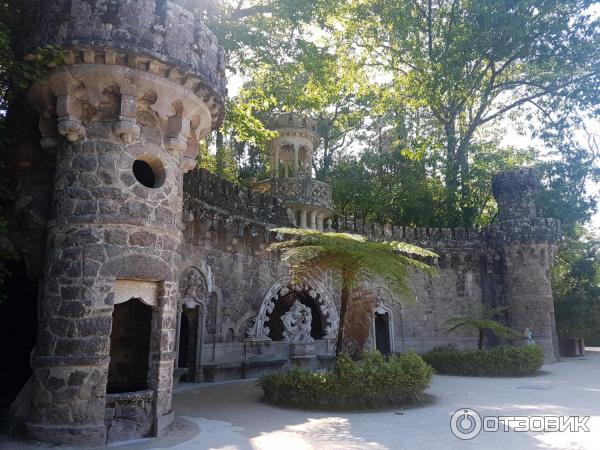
(374, 381)
(498, 361)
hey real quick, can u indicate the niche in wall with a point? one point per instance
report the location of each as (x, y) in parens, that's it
(129, 347)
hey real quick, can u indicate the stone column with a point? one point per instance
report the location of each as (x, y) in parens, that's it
(276, 162)
(296, 175)
(129, 127)
(528, 244)
(303, 214)
(313, 219)
(320, 222)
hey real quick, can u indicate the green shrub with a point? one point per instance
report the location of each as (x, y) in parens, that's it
(498, 361)
(373, 381)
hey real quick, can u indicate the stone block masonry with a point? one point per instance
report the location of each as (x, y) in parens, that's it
(142, 83)
(132, 231)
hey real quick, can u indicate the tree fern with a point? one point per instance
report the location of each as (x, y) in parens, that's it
(353, 261)
(486, 322)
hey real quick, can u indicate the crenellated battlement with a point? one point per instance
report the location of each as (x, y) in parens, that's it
(427, 236)
(160, 30)
(240, 201)
(293, 120)
(204, 189)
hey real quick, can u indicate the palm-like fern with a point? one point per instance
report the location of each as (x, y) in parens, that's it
(481, 324)
(352, 260)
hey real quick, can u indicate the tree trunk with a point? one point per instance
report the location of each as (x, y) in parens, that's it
(480, 343)
(345, 297)
(220, 156)
(451, 174)
(462, 158)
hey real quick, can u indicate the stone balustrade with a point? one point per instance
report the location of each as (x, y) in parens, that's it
(301, 191)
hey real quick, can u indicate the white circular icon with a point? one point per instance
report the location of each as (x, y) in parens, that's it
(465, 424)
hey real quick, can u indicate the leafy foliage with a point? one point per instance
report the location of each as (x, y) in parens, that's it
(501, 361)
(374, 381)
(466, 65)
(576, 288)
(352, 261)
(482, 324)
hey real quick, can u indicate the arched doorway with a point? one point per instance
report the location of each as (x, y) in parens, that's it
(284, 303)
(184, 342)
(382, 328)
(279, 300)
(382, 333)
(192, 324)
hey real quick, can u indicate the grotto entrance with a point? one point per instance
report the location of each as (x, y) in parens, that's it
(129, 347)
(382, 333)
(18, 328)
(284, 303)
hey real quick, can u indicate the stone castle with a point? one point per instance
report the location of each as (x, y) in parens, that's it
(150, 270)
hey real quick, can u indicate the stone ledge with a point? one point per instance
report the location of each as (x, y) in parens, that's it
(129, 396)
(53, 361)
(79, 435)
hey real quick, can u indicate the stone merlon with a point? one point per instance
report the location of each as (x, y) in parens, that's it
(154, 33)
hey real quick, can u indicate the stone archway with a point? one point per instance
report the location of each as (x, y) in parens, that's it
(192, 313)
(259, 329)
(382, 328)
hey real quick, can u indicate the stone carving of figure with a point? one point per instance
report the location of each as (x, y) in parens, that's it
(193, 284)
(297, 322)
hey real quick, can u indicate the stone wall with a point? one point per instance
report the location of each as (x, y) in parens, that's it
(474, 272)
(142, 82)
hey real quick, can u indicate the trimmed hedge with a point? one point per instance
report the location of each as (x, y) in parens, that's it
(374, 381)
(498, 361)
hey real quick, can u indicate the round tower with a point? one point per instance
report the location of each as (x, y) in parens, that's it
(142, 82)
(308, 201)
(528, 244)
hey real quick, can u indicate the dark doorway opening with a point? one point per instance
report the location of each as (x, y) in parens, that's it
(184, 341)
(18, 328)
(382, 334)
(129, 347)
(283, 305)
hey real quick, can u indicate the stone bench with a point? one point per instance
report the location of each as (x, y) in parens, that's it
(254, 368)
(222, 371)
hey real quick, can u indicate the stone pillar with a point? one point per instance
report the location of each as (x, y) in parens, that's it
(276, 162)
(320, 222)
(303, 214)
(313, 219)
(129, 126)
(528, 244)
(296, 174)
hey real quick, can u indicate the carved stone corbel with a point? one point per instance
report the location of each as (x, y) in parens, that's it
(178, 132)
(127, 128)
(68, 112)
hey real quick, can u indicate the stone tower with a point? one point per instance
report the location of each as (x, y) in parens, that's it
(308, 201)
(528, 244)
(143, 82)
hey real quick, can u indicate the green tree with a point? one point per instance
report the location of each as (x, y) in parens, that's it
(576, 287)
(352, 261)
(469, 64)
(322, 82)
(482, 324)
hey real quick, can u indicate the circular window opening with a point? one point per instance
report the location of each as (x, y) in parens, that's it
(149, 171)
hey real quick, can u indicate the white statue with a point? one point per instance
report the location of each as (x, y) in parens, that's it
(297, 322)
